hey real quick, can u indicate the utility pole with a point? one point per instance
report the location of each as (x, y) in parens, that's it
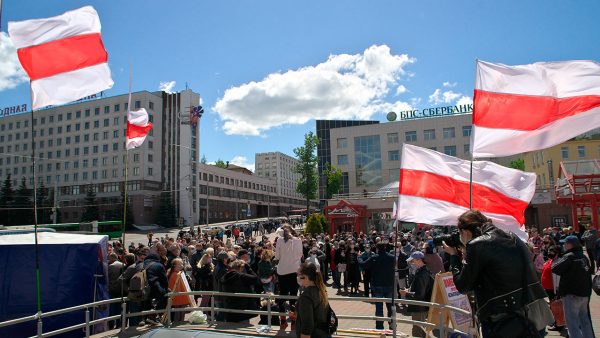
(55, 206)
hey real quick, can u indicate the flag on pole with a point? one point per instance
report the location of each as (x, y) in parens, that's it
(434, 189)
(536, 106)
(63, 55)
(138, 127)
(195, 114)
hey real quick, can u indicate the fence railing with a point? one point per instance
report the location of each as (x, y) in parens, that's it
(213, 310)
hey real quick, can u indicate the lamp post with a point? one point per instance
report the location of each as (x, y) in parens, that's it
(190, 176)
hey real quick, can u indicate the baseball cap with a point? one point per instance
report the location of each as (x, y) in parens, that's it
(571, 239)
(415, 255)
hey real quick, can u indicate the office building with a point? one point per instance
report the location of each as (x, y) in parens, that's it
(81, 146)
(279, 168)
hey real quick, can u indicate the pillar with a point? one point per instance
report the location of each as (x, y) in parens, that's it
(594, 213)
(574, 215)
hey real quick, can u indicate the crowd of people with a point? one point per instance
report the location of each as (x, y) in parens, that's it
(356, 264)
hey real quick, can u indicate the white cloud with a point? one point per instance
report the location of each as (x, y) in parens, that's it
(464, 100)
(439, 97)
(242, 161)
(401, 89)
(11, 72)
(342, 87)
(448, 84)
(167, 86)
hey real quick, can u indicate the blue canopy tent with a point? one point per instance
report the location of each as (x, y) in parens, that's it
(73, 271)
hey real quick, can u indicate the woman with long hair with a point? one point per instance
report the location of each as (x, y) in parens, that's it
(312, 305)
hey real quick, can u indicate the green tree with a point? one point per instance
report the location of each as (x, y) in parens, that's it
(203, 159)
(23, 203)
(221, 164)
(518, 164)
(91, 208)
(7, 200)
(313, 225)
(166, 211)
(334, 180)
(44, 212)
(308, 181)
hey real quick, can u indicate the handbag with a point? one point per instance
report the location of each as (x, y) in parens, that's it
(539, 313)
(558, 312)
(596, 282)
(341, 267)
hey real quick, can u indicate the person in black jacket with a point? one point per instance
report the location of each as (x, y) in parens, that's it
(420, 289)
(575, 287)
(220, 270)
(382, 279)
(157, 279)
(236, 280)
(496, 267)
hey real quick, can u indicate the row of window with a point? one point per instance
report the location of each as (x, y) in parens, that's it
(235, 182)
(411, 136)
(66, 165)
(67, 152)
(59, 130)
(69, 116)
(74, 177)
(394, 155)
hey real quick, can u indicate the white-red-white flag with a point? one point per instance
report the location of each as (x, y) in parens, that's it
(138, 126)
(64, 56)
(523, 108)
(434, 189)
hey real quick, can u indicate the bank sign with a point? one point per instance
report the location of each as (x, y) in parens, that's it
(430, 112)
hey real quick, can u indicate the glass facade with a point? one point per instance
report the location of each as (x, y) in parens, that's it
(367, 159)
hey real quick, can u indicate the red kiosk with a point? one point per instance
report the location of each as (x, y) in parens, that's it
(578, 185)
(345, 217)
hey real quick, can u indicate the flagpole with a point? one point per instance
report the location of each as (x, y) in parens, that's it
(395, 277)
(35, 222)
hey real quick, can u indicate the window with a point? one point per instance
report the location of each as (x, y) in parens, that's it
(450, 150)
(342, 143)
(150, 172)
(410, 136)
(150, 158)
(115, 121)
(151, 105)
(78, 114)
(342, 159)
(117, 107)
(115, 134)
(106, 122)
(150, 145)
(138, 104)
(581, 151)
(392, 138)
(105, 135)
(115, 146)
(429, 134)
(69, 116)
(96, 136)
(467, 149)
(95, 175)
(136, 171)
(105, 148)
(564, 152)
(394, 155)
(466, 131)
(106, 109)
(86, 125)
(97, 124)
(367, 160)
(449, 133)
(136, 157)
(87, 113)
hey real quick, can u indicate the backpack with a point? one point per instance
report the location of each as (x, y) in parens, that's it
(139, 288)
(332, 320)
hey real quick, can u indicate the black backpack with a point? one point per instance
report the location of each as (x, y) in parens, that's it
(332, 320)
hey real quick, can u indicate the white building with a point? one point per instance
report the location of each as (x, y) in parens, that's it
(82, 145)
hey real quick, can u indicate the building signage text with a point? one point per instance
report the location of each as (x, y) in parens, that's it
(13, 110)
(430, 112)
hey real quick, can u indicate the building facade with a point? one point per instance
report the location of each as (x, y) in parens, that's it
(233, 195)
(369, 156)
(543, 210)
(324, 128)
(81, 146)
(279, 168)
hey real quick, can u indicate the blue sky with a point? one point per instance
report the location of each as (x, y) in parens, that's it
(267, 69)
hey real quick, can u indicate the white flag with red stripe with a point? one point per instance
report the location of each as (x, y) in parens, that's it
(64, 56)
(434, 189)
(528, 107)
(138, 126)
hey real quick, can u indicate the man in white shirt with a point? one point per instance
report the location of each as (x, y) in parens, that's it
(288, 252)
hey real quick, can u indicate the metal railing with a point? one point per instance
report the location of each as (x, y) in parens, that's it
(213, 310)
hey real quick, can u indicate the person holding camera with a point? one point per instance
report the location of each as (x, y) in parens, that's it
(495, 265)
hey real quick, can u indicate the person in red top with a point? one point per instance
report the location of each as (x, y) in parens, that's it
(550, 281)
(236, 232)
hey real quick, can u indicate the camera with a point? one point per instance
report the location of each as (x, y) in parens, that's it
(452, 239)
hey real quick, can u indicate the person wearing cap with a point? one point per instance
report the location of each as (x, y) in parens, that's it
(420, 289)
(381, 266)
(366, 254)
(575, 287)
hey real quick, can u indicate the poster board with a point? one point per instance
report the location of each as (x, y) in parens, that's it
(186, 285)
(445, 292)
